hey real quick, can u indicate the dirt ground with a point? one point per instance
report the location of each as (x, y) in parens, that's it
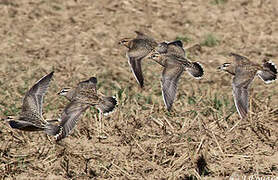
(202, 138)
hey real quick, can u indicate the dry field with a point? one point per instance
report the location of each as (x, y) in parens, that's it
(202, 138)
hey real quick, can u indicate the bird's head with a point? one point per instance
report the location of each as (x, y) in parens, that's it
(224, 66)
(64, 91)
(9, 118)
(154, 55)
(125, 42)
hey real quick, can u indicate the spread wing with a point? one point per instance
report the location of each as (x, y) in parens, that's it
(86, 90)
(141, 35)
(139, 49)
(240, 84)
(162, 47)
(170, 76)
(89, 84)
(240, 58)
(25, 125)
(176, 47)
(135, 65)
(69, 118)
(33, 100)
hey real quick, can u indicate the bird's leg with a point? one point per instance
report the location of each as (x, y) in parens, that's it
(100, 133)
(100, 122)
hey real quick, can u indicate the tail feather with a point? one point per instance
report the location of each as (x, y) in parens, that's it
(15, 124)
(19, 124)
(196, 70)
(24, 125)
(49, 129)
(60, 134)
(107, 104)
(269, 73)
(52, 129)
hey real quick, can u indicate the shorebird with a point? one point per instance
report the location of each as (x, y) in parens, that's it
(138, 48)
(174, 47)
(30, 118)
(244, 71)
(81, 98)
(173, 68)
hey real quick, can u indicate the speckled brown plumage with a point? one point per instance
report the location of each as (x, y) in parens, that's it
(138, 48)
(173, 68)
(81, 98)
(244, 72)
(30, 118)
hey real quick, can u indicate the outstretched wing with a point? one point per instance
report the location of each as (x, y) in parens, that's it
(69, 118)
(170, 76)
(240, 84)
(139, 48)
(239, 58)
(162, 47)
(25, 125)
(176, 47)
(141, 35)
(88, 84)
(135, 55)
(33, 100)
(135, 65)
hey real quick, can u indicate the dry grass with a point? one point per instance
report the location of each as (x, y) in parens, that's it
(202, 138)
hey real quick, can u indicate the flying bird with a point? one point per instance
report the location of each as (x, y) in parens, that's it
(138, 48)
(176, 48)
(174, 66)
(30, 118)
(244, 71)
(81, 98)
(173, 47)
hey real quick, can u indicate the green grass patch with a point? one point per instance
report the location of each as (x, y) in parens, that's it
(191, 100)
(11, 110)
(56, 8)
(219, 2)
(210, 40)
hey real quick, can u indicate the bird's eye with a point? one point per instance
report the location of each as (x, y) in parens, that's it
(64, 91)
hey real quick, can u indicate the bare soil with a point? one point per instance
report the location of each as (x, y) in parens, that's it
(202, 138)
